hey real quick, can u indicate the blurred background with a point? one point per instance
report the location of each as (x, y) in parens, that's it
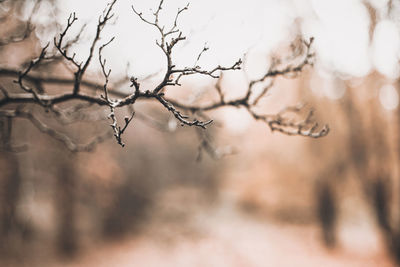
(257, 198)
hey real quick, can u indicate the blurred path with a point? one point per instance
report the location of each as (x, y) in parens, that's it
(229, 238)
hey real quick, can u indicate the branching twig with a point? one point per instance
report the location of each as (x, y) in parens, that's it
(34, 86)
(275, 122)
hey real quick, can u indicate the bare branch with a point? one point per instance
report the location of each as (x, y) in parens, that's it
(307, 127)
(178, 115)
(64, 138)
(22, 75)
(73, 105)
(277, 122)
(167, 42)
(59, 44)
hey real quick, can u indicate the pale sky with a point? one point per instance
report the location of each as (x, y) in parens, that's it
(233, 27)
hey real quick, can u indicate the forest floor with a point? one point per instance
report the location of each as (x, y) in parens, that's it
(224, 235)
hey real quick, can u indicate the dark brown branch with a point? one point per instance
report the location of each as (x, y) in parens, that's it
(168, 40)
(34, 86)
(275, 122)
(118, 132)
(22, 75)
(179, 116)
(59, 44)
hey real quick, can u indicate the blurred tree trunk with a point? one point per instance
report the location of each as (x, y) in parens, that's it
(357, 142)
(327, 212)
(10, 183)
(65, 198)
(396, 239)
(10, 180)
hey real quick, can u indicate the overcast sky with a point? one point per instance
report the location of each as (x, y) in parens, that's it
(233, 27)
(344, 45)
